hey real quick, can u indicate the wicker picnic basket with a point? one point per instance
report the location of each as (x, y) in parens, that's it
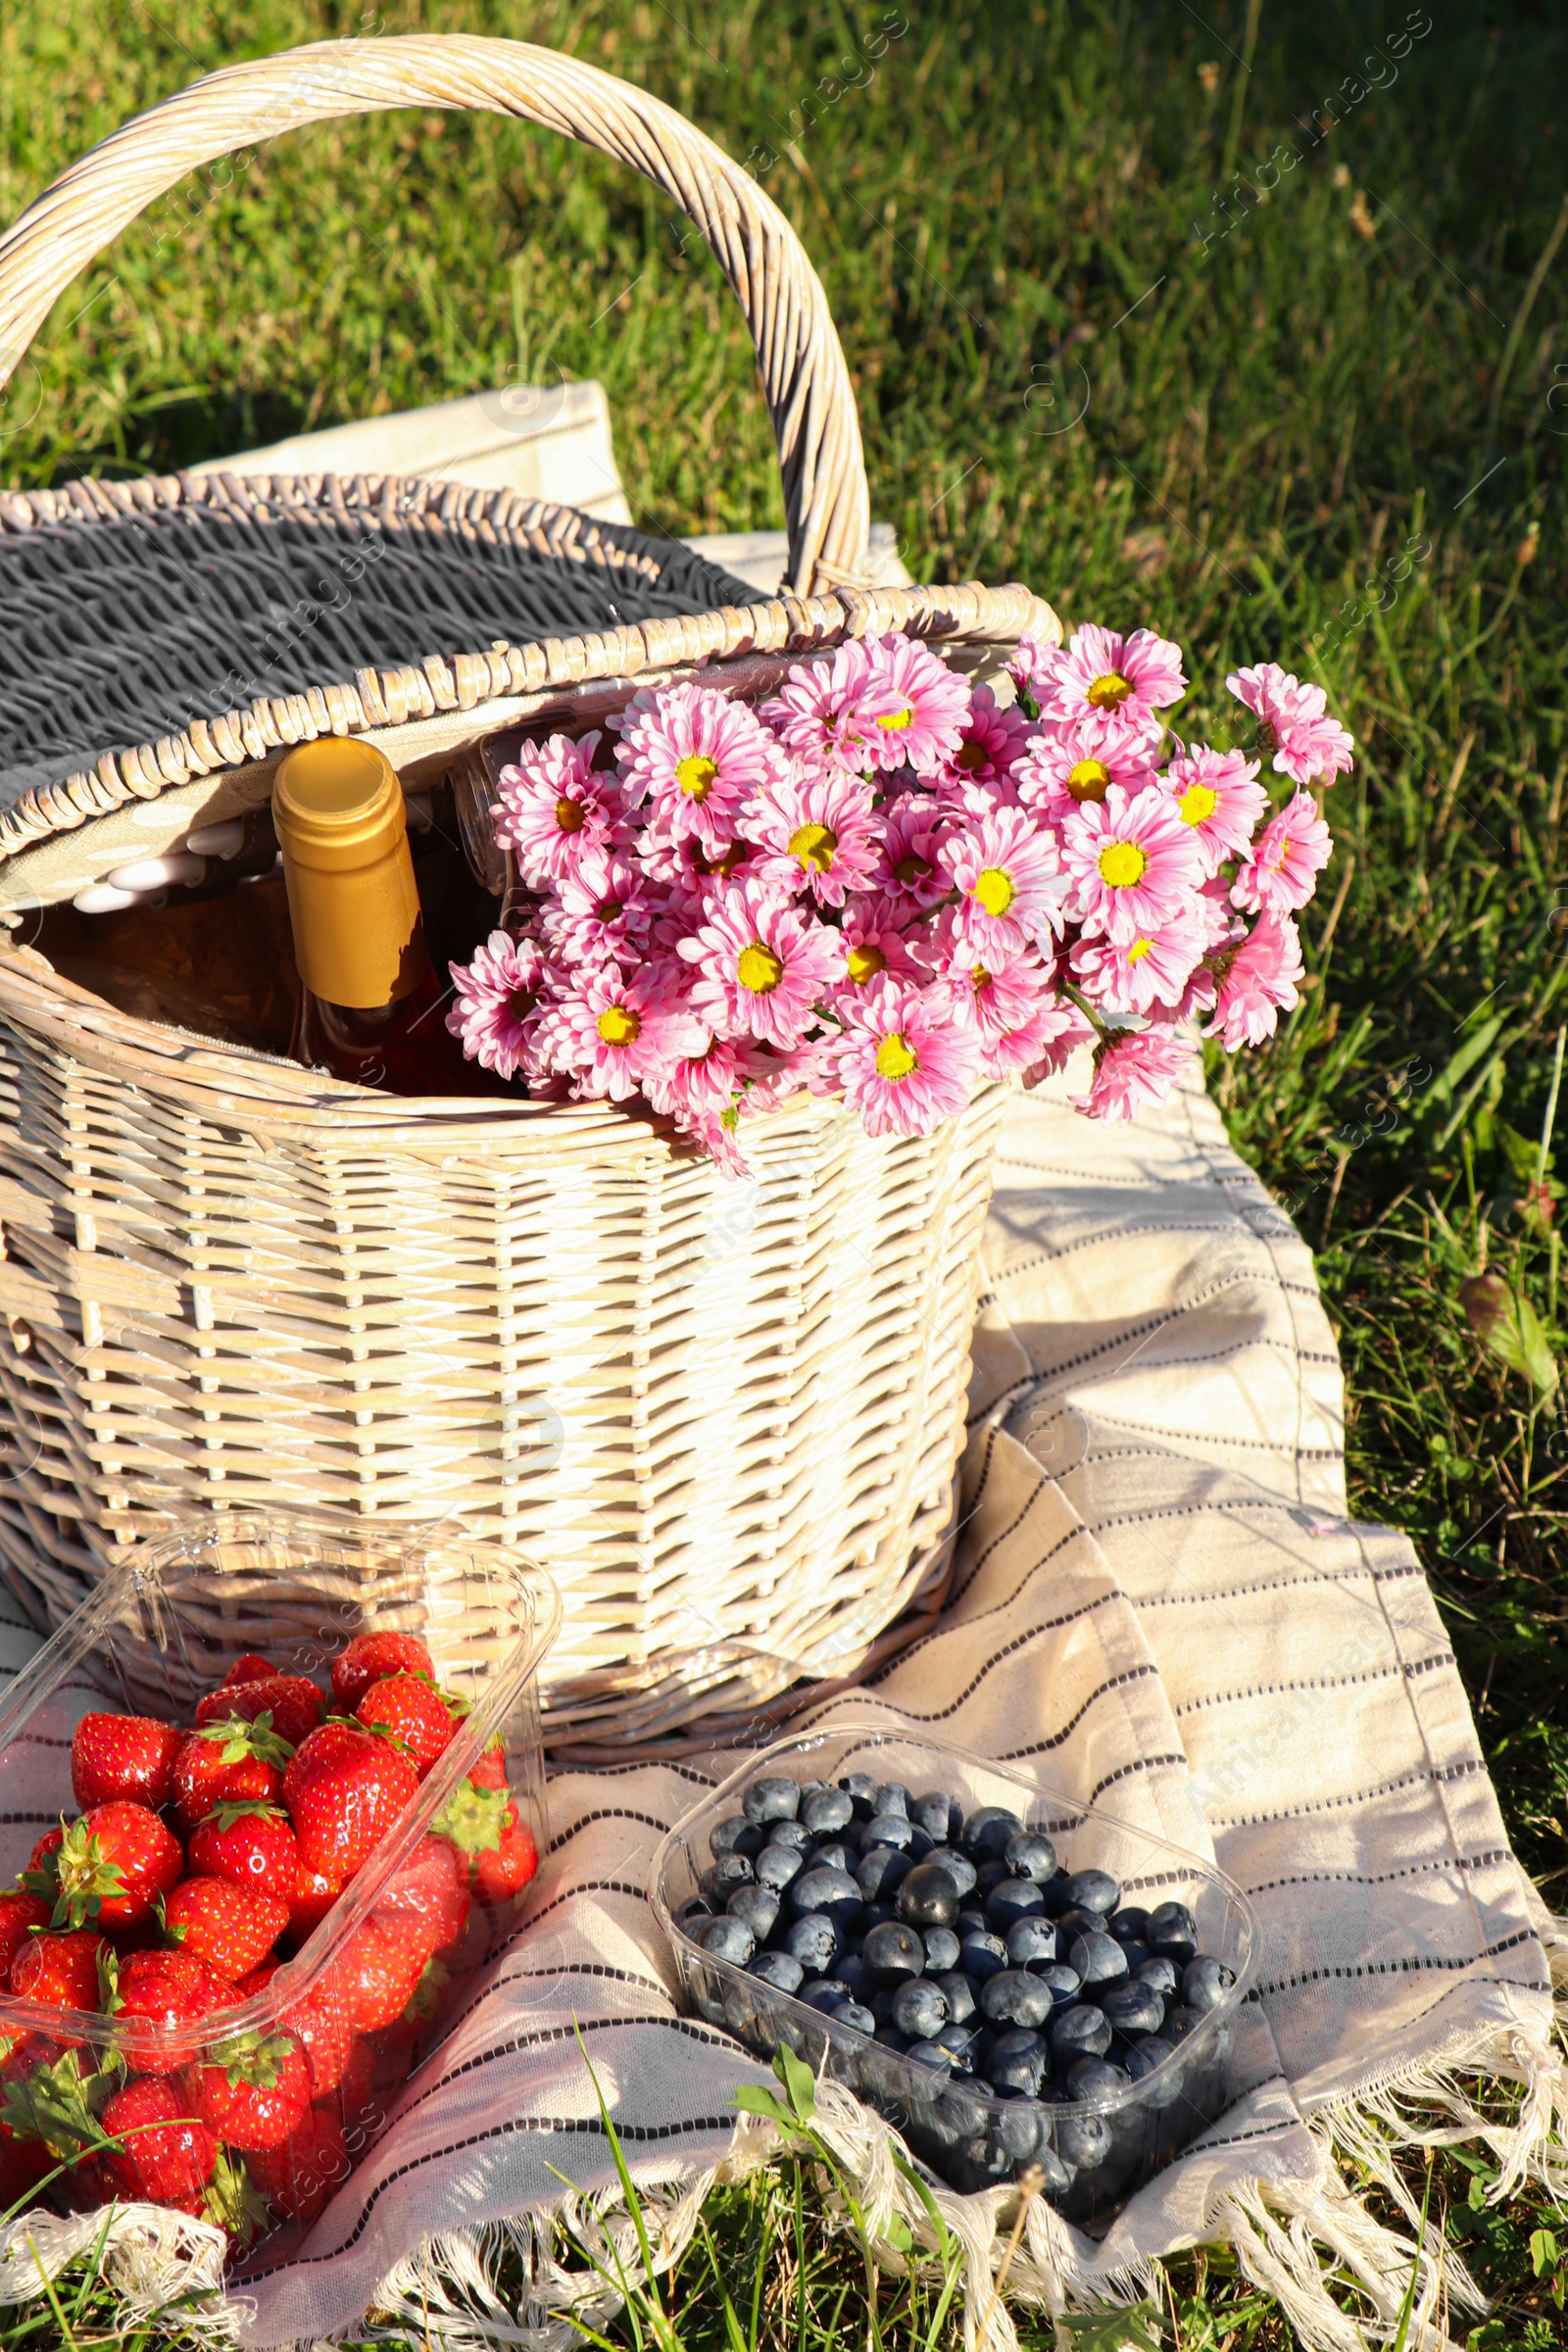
(724, 1416)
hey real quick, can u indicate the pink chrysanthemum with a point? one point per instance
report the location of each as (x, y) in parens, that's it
(904, 1064)
(604, 909)
(817, 834)
(1134, 864)
(613, 1035)
(919, 707)
(685, 869)
(823, 712)
(761, 965)
(1133, 1067)
(1292, 724)
(1008, 1001)
(1136, 974)
(1102, 675)
(1065, 766)
(1068, 1030)
(554, 808)
(1010, 889)
(979, 776)
(695, 757)
(1257, 982)
(501, 998)
(1288, 855)
(1030, 670)
(706, 1078)
(909, 868)
(874, 947)
(1217, 794)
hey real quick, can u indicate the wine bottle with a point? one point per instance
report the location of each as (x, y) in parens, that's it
(371, 1008)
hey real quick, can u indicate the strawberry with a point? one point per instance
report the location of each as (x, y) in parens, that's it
(353, 2099)
(24, 2165)
(370, 1656)
(130, 1757)
(323, 2022)
(229, 1762)
(113, 1865)
(344, 1789)
(248, 1669)
(377, 1970)
(314, 1897)
(59, 1970)
(19, 1913)
(412, 1712)
(291, 1704)
(170, 1991)
(427, 1896)
(254, 2089)
(232, 1928)
(486, 1828)
(42, 1874)
(491, 1770)
(499, 1875)
(250, 1843)
(257, 1980)
(163, 2164)
(300, 2177)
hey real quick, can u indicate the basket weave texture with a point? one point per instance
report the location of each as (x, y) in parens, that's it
(724, 1416)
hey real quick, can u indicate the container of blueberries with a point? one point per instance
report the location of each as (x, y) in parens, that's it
(1010, 1979)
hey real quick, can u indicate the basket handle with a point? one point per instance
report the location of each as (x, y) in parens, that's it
(798, 350)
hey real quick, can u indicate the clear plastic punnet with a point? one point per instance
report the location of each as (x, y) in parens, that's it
(248, 2101)
(1092, 2151)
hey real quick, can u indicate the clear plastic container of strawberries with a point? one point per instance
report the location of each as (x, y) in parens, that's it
(275, 1801)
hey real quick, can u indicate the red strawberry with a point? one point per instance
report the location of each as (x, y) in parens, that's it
(323, 2022)
(427, 1897)
(171, 1992)
(25, 2155)
(42, 1874)
(230, 1763)
(23, 2164)
(486, 1828)
(19, 1913)
(370, 1656)
(254, 2090)
(291, 1704)
(114, 1864)
(61, 1970)
(163, 2165)
(344, 1791)
(300, 2177)
(413, 1712)
(499, 1875)
(376, 1972)
(491, 1770)
(129, 1756)
(232, 1928)
(252, 1844)
(248, 1669)
(257, 1980)
(353, 2100)
(314, 1897)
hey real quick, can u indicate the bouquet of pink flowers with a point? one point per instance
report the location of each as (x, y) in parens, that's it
(888, 884)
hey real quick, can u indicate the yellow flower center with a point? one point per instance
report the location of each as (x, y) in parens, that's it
(895, 1057)
(1139, 950)
(969, 755)
(994, 890)
(864, 963)
(1088, 779)
(1109, 691)
(695, 775)
(813, 846)
(619, 1025)
(571, 815)
(1198, 801)
(912, 869)
(897, 719)
(758, 968)
(979, 978)
(1121, 862)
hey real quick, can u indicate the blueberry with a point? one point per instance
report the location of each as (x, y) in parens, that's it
(758, 1906)
(1064, 1982)
(850, 2013)
(814, 1941)
(691, 1915)
(1031, 1943)
(1081, 2032)
(728, 1940)
(1180, 2021)
(776, 1865)
(876, 1915)
(940, 1816)
(894, 1952)
(1076, 1921)
(931, 2054)
(942, 1950)
(778, 1970)
(832, 1891)
(734, 1835)
(1205, 1983)
(890, 1828)
(982, 1957)
(959, 1989)
(928, 1899)
(793, 1833)
(919, 2008)
(827, 1810)
(832, 1855)
(1012, 1900)
(1134, 2011)
(861, 1789)
(1093, 1891)
(826, 1993)
(1057, 1898)
(1096, 2079)
(776, 1798)
(888, 2038)
(1082, 2141)
(1162, 1973)
(971, 1921)
(959, 2043)
(881, 1871)
(894, 1797)
(1019, 2060)
(1030, 1855)
(1128, 1924)
(856, 1976)
(1172, 1930)
(1098, 1959)
(988, 1830)
(1057, 2178)
(728, 1872)
(1015, 1998)
(1138, 1955)
(1141, 2058)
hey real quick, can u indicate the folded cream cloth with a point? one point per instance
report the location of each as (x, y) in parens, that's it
(1160, 1607)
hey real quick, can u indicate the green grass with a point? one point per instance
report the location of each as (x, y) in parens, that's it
(1061, 378)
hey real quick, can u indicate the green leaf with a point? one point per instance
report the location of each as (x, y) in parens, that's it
(757, 2102)
(1543, 2252)
(1135, 2329)
(231, 2199)
(897, 2234)
(1508, 1328)
(798, 2079)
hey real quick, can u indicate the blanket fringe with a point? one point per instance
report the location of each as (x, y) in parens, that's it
(163, 2269)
